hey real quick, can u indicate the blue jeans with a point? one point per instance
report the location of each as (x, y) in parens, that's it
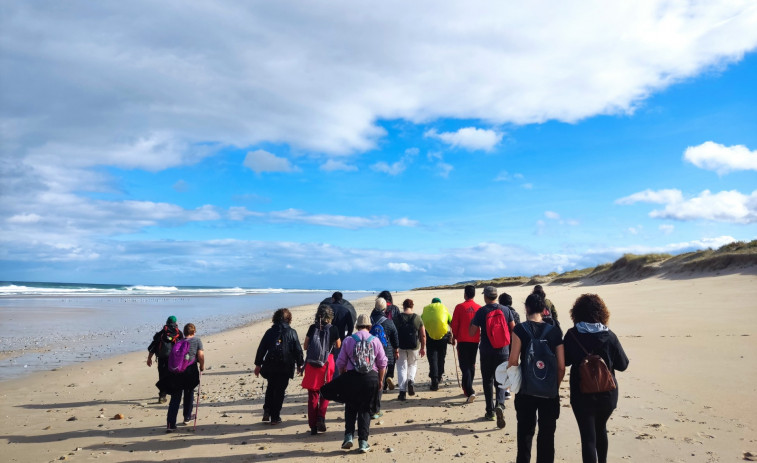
(173, 406)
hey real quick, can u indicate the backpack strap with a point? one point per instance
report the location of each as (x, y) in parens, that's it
(573, 333)
(380, 320)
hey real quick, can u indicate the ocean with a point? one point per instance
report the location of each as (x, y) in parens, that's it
(49, 325)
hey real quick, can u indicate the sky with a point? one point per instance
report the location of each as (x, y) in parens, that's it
(365, 145)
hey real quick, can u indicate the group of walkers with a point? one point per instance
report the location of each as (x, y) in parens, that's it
(352, 359)
(181, 359)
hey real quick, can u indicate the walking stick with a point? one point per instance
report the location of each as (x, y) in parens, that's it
(197, 407)
(454, 352)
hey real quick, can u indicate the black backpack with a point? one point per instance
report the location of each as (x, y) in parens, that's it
(276, 355)
(319, 347)
(539, 367)
(167, 340)
(408, 335)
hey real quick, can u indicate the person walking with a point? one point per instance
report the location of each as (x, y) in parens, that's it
(539, 401)
(384, 329)
(507, 301)
(436, 319)
(495, 349)
(183, 383)
(467, 345)
(344, 319)
(592, 410)
(412, 344)
(325, 337)
(160, 347)
(550, 313)
(392, 311)
(361, 351)
(279, 352)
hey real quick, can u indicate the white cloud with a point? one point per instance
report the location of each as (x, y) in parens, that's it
(181, 186)
(725, 206)
(25, 218)
(390, 169)
(405, 222)
(528, 186)
(610, 254)
(260, 161)
(333, 165)
(257, 83)
(722, 159)
(552, 215)
(635, 230)
(404, 267)
(667, 228)
(470, 138)
(328, 220)
(650, 196)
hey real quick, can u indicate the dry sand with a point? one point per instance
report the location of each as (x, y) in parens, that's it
(689, 395)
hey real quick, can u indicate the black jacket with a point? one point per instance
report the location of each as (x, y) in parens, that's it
(292, 349)
(606, 345)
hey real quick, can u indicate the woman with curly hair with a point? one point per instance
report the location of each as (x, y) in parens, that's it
(279, 352)
(591, 334)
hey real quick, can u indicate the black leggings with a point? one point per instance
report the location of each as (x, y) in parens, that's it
(592, 424)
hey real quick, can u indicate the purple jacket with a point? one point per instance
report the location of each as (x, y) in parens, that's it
(345, 360)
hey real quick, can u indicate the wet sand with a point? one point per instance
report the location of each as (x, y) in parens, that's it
(688, 395)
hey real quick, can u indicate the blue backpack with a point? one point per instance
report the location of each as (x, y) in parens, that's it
(378, 331)
(539, 368)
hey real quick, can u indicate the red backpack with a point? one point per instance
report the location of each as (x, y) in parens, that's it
(497, 329)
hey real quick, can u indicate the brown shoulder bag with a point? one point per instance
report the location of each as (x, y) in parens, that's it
(594, 375)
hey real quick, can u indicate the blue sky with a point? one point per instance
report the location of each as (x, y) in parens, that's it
(354, 147)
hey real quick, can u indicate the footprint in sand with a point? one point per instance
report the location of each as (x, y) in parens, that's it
(644, 436)
(749, 456)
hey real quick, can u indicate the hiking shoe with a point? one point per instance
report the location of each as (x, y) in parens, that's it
(500, 410)
(347, 444)
(162, 399)
(321, 426)
(470, 398)
(363, 446)
(275, 421)
(171, 429)
(507, 394)
(313, 431)
(434, 385)
(266, 416)
(390, 383)
(411, 388)
(402, 396)
(489, 416)
(376, 416)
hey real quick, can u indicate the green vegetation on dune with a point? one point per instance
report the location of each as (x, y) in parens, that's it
(735, 256)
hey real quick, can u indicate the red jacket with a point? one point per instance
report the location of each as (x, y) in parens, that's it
(464, 313)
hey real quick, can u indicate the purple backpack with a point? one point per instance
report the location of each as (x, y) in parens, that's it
(179, 360)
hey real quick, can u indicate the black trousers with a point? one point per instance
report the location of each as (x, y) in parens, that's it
(489, 364)
(274, 395)
(529, 410)
(162, 373)
(592, 424)
(436, 352)
(467, 352)
(365, 390)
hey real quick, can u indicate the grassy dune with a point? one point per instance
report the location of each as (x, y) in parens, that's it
(735, 257)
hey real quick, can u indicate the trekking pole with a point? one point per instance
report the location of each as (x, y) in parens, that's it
(454, 352)
(197, 407)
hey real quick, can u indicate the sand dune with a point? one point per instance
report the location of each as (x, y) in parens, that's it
(688, 395)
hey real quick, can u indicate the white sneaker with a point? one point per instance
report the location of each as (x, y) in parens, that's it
(470, 398)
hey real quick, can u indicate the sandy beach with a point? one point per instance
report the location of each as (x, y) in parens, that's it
(688, 395)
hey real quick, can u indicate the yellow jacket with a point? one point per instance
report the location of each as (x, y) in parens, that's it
(436, 318)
